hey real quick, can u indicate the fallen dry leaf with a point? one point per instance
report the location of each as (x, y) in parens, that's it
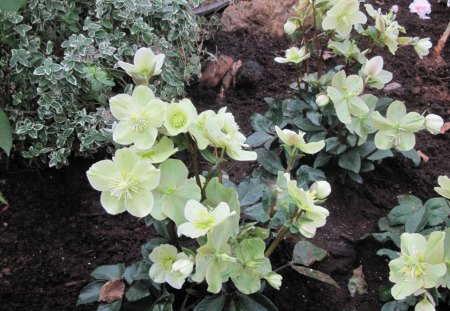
(215, 71)
(392, 86)
(445, 127)
(424, 157)
(357, 283)
(111, 291)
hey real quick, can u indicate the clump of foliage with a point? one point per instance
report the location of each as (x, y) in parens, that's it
(336, 105)
(216, 237)
(58, 66)
(421, 268)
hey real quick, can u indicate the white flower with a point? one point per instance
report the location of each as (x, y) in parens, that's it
(421, 7)
(145, 65)
(290, 26)
(170, 266)
(297, 140)
(200, 220)
(274, 279)
(394, 8)
(422, 47)
(321, 189)
(373, 73)
(322, 100)
(294, 55)
(433, 123)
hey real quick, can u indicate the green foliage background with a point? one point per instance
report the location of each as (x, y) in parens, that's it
(55, 67)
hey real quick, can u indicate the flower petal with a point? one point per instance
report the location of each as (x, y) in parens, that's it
(120, 105)
(111, 204)
(99, 174)
(141, 204)
(142, 95)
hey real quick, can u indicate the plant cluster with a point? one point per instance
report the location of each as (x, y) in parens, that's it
(213, 232)
(420, 231)
(58, 66)
(336, 105)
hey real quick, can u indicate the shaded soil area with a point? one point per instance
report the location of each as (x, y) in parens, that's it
(55, 232)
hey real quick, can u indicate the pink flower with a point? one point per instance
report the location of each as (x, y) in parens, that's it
(395, 8)
(421, 7)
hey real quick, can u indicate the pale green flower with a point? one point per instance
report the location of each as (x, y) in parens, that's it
(363, 125)
(160, 152)
(198, 129)
(222, 131)
(422, 46)
(146, 64)
(294, 55)
(174, 191)
(420, 265)
(348, 49)
(139, 117)
(433, 123)
(344, 92)
(342, 16)
(444, 189)
(169, 266)
(397, 129)
(424, 305)
(313, 216)
(297, 140)
(201, 220)
(274, 279)
(126, 183)
(179, 117)
(373, 73)
(251, 265)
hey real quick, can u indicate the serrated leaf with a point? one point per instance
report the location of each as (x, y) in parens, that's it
(5, 133)
(307, 174)
(305, 253)
(109, 272)
(387, 236)
(314, 274)
(269, 160)
(115, 306)
(90, 293)
(211, 303)
(321, 159)
(250, 191)
(261, 123)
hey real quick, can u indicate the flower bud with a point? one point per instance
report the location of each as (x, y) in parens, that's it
(274, 279)
(433, 123)
(321, 188)
(322, 100)
(290, 26)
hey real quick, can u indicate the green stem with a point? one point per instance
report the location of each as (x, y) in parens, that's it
(281, 234)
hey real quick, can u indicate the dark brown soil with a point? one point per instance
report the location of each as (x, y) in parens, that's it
(55, 231)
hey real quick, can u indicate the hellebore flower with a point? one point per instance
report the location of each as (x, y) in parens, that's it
(342, 16)
(139, 117)
(348, 49)
(397, 129)
(291, 138)
(160, 152)
(274, 279)
(222, 131)
(421, 7)
(373, 73)
(169, 266)
(126, 183)
(322, 100)
(321, 189)
(420, 265)
(198, 129)
(344, 92)
(433, 123)
(444, 189)
(291, 26)
(200, 220)
(146, 64)
(179, 117)
(174, 191)
(362, 126)
(424, 305)
(294, 55)
(422, 46)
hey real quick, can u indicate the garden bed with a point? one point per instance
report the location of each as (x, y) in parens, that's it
(55, 232)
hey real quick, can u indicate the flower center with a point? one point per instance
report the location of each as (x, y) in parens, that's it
(414, 266)
(168, 262)
(124, 187)
(178, 120)
(205, 221)
(138, 122)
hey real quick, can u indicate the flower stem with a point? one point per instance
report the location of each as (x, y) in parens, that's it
(281, 234)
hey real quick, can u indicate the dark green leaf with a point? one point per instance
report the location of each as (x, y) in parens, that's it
(380, 154)
(275, 113)
(261, 123)
(109, 272)
(211, 303)
(386, 236)
(5, 132)
(388, 252)
(413, 156)
(306, 253)
(257, 139)
(137, 291)
(306, 125)
(255, 302)
(351, 161)
(307, 175)
(210, 157)
(115, 306)
(256, 212)
(321, 159)
(90, 292)
(417, 221)
(11, 5)
(269, 160)
(250, 191)
(163, 303)
(314, 274)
